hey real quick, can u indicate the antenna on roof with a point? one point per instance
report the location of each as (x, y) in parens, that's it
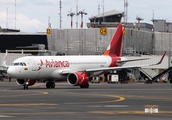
(7, 19)
(98, 9)
(125, 10)
(76, 13)
(15, 14)
(103, 9)
(60, 13)
(49, 23)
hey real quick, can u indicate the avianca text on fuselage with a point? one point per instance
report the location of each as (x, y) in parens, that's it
(54, 63)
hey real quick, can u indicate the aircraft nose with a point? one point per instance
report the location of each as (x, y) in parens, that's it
(11, 72)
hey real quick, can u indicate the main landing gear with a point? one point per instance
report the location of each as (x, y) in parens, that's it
(50, 84)
(85, 86)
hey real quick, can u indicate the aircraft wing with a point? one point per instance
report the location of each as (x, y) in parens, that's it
(67, 71)
(124, 61)
(4, 65)
(127, 67)
(115, 68)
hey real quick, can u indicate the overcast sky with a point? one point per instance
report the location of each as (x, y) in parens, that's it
(32, 15)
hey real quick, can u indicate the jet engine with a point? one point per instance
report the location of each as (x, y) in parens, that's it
(77, 79)
(23, 82)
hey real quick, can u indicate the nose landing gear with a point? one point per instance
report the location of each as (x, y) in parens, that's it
(25, 86)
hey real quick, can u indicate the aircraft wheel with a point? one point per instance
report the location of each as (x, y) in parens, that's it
(146, 82)
(171, 81)
(87, 85)
(52, 85)
(81, 86)
(48, 84)
(25, 86)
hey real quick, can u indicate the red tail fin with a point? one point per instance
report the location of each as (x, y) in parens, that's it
(115, 46)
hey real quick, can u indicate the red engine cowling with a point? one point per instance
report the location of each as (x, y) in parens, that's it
(77, 78)
(22, 82)
(31, 82)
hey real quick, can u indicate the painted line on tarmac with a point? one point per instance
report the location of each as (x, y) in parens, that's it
(129, 112)
(39, 113)
(109, 106)
(27, 104)
(115, 105)
(117, 99)
(21, 95)
(2, 116)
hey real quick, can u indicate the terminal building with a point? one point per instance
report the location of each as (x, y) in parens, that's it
(143, 38)
(107, 19)
(12, 39)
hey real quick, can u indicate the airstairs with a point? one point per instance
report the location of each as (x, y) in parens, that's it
(162, 74)
(152, 75)
(148, 73)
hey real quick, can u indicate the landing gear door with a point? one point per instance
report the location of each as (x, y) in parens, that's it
(34, 65)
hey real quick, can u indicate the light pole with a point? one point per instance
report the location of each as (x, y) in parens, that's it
(168, 23)
(94, 22)
(81, 13)
(153, 20)
(71, 14)
(139, 19)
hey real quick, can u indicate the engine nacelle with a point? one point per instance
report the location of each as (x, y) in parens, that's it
(77, 78)
(23, 82)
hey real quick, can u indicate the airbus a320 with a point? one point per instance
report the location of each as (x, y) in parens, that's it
(75, 69)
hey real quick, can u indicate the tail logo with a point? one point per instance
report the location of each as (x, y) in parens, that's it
(115, 46)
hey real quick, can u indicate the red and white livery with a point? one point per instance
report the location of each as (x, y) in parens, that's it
(75, 69)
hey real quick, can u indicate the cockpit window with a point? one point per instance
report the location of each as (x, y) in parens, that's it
(19, 64)
(16, 64)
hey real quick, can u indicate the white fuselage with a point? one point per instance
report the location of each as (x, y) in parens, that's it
(47, 67)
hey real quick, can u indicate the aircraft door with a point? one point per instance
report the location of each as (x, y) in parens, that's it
(34, 65)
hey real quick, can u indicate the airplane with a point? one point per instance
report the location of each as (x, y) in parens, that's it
(75, 69)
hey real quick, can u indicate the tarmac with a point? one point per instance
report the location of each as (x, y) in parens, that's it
(103, 101)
